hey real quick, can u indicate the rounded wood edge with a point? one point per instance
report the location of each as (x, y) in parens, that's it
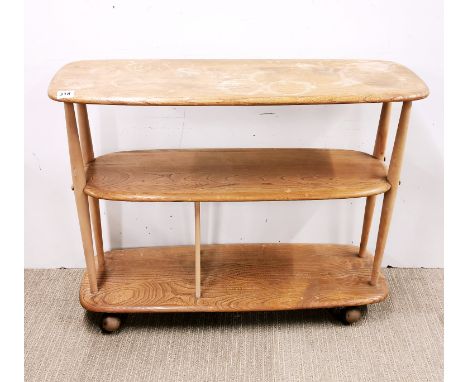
(378, 185)
(52, 88)
(123, 309)
(87, 304)
(245, 102)
(420, 91)
(120, 197)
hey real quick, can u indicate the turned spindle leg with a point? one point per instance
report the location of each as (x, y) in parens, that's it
(79, 183)
(390, 196)
(97, 230)
(197, 251)
(87, 152)
(379, 153)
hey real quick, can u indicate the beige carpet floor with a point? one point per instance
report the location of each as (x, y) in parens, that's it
(401, 339)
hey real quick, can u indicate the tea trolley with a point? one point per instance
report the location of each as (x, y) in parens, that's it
(232, 277)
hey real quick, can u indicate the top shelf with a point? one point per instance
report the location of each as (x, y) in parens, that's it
(235, 82)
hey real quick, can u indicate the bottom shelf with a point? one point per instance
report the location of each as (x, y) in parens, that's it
(234, 277)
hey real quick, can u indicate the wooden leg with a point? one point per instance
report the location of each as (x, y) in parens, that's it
(379, 153)
(87, 153)
(390, 196)
(197, 251)
(87, 238)
(79, 182)
(385, 219)
(366, 226)
(97, 230)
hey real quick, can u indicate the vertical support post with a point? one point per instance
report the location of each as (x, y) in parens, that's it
(79, 183)
(393, 177)
(87, 150)
(97, 230)
(197, 251)
(88, 155)
(379, 153)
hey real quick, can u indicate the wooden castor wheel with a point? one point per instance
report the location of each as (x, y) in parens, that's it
(110, 323)
(351, 314)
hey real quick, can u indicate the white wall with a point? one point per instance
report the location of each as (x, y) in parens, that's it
(59, 31)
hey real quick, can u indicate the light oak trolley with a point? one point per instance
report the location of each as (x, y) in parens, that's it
(234, 277)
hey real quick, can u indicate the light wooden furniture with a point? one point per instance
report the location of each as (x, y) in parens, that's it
(238, 277)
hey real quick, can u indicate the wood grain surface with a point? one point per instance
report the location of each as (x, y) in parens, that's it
(235, 277)
(235, 82)
(235, 175)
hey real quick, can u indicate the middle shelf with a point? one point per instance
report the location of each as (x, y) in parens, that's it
(199, 175)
